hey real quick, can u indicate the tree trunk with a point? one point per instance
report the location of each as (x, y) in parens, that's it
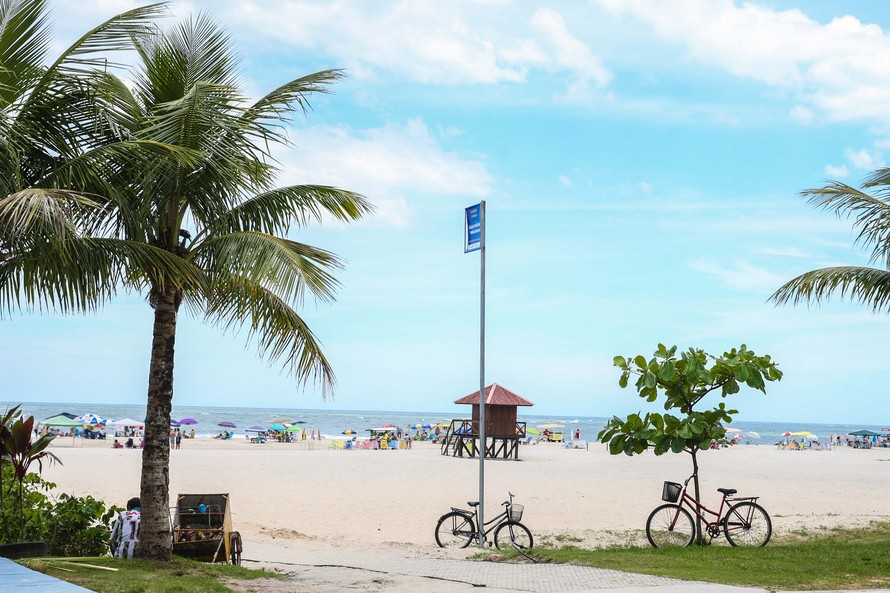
(699, 537)
(155, 535)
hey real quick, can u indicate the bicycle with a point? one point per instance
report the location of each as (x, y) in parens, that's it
(457, 527)
(745, 522)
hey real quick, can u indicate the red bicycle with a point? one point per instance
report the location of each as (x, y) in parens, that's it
(745, 522)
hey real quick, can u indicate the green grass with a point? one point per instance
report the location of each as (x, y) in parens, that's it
(824, 559)
(140, 576)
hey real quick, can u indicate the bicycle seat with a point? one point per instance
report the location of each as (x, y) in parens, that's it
(474, 503)
(727, 491)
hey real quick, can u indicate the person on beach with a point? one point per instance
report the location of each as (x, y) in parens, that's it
(125, 533)
(178, 438)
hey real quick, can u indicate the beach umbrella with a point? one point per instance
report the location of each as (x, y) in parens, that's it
(174, 424)
(280, 421)
(255, 429)
(349, 431)
(731, 429)
(293, 429)
(532, 431)
(753, 435)
(91, 419)
(278, 427)
(786, 434)
(188, 421)
(227, 424)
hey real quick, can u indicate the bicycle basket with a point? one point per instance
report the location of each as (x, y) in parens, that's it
(671, 491)
(516, 512)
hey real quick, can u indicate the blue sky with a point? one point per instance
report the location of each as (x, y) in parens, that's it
(641, 164)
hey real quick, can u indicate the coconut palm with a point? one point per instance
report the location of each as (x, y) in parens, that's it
(54, 138)
(871, 218)
(213, 205)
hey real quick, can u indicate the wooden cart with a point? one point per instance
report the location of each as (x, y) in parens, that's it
(202, 529)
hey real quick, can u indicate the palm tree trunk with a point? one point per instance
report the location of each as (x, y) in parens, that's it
(155, 536)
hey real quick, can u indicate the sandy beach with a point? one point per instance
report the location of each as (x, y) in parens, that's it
(306, 496)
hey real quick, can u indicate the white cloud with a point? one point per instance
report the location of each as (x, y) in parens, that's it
(385, 164)
(863, 159)
(837, 172)
(741, 275)
(568, 51)
(802, 115)
(783, 252)
(839, 69)
(565, 181)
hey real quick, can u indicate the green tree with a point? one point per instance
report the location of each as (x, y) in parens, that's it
(53, 132)
(684, 382)
(211, 203)
(870, 214)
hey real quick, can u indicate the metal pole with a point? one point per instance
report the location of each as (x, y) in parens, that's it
(482, 377)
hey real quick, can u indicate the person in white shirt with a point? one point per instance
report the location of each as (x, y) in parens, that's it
(125, 533)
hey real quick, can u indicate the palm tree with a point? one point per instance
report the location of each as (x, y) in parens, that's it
(53, 139)
(871, 218)
(212, 204)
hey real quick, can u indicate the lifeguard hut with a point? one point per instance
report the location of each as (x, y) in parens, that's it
(503, 432)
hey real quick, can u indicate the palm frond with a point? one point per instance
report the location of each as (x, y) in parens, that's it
(41, 212)
(287, 267)
(276, 210)
(24, 42)
(280, 333)
(871, 215)
(266, 118)
(115, 34)
(867, 285)
(84, 273)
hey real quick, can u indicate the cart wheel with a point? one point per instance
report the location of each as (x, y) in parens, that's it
(235, 547)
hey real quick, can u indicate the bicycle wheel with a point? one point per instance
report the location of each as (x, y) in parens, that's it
(455, 530)
(235, 547)
(747, 524)
(510, 534)
(670, 525)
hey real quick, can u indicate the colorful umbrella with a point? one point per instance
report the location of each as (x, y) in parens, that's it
(255, 429)
(293, 429)
(279, 420)
(227, 424)
(278, 427)
(188, 421)
(349, 431)
(91, 419)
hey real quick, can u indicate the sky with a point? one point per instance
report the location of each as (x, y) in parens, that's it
(641, 164)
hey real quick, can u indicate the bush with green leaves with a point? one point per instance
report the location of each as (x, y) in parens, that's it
(70, 525)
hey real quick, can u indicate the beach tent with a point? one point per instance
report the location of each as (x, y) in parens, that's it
(865, 433)
(61, 421)
(126, 422)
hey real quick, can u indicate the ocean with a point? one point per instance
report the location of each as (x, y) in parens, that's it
(332, 423)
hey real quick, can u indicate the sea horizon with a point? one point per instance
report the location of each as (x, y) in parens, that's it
(332, 423)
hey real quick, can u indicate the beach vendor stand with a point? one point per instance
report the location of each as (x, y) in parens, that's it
(202, 529)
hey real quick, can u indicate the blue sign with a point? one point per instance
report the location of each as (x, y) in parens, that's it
(473, 228)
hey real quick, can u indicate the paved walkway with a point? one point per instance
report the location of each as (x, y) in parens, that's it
(508, 577)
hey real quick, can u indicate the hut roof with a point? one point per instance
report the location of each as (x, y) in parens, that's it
(495, 395)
